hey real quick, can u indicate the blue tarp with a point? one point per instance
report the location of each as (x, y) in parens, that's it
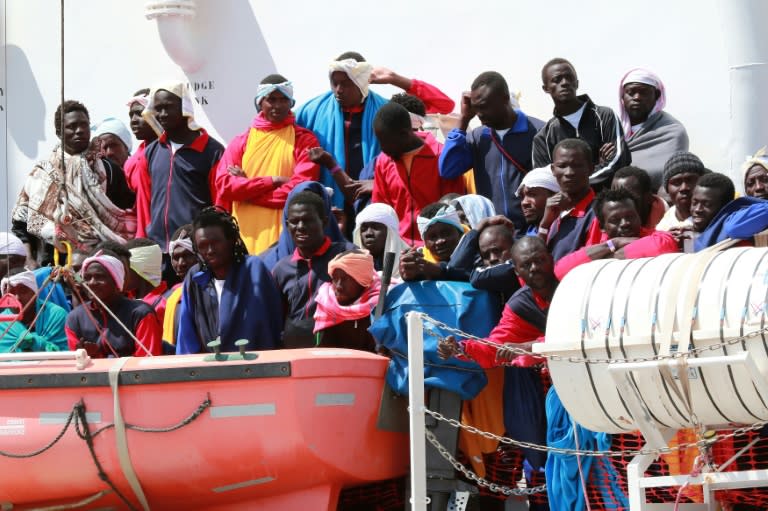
(456, 304)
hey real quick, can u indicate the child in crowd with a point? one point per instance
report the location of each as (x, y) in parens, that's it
(377, 231)
(344, 305)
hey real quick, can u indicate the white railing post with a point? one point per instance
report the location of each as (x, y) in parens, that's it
(419, 498)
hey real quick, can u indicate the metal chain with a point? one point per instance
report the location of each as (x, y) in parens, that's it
(700, 444)
(476, 478)
(577, 360)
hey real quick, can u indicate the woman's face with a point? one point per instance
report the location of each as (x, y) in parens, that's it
(216, 251)
(373, 236)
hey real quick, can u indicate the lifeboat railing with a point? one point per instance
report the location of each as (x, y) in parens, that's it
(80, 357)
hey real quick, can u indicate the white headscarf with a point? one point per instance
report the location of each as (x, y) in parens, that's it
(644, 76)
(25, 278)
(358, 72)
(265, 89)
(11, 245)
(475, 208)
(539, 178)
(115, 127)
(179, 90)
(147, 262)
(381, 213)
(112, 264)
(759, 158)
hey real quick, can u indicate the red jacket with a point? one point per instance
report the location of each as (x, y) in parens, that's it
(260, 190)
(652, 243)
(409, 193)
(137, 176)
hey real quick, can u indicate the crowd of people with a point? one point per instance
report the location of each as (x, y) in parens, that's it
(281, 237)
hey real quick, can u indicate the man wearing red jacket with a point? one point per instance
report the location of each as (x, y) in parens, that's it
(623, 236)
(406, 173)
(261, 166)
(139, 180)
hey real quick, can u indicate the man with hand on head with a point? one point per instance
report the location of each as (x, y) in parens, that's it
(499, 151)
(537, 187)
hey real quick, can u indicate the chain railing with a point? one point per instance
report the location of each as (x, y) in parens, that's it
(576, 360)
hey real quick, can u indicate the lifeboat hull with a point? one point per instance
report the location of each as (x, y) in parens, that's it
(286, 431)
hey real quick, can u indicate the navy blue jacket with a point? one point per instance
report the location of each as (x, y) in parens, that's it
(181, 183)
(496, 176)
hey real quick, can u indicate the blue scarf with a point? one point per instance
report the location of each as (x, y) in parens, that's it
(324, 117)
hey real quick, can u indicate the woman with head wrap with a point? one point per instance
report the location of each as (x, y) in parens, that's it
(652, 134)
(262, 165)
(144, 278)
(230, 295)
(285, 245)
(344, 305)
(441, 229)
(475, 208)
(41, 326)
(377, 231)
(755, 171)
(109, 324)
(183, 258)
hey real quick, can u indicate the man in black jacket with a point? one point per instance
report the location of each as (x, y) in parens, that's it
(578, 117)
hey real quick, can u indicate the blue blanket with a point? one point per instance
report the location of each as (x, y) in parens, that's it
(324, 117)
(457, 304)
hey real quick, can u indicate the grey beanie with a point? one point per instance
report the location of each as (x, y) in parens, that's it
(682, 161)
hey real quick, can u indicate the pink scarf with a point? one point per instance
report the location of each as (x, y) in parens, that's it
(329, 313)
(262, 123)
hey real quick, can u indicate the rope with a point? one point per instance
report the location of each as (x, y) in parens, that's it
(109, 311)
(25, 307)
(50, 444)
(37, 315)
(184, 422)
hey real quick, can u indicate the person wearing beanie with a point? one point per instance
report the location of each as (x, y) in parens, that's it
(344, 305)
(681, 173)
(114, 140)
(262, 165)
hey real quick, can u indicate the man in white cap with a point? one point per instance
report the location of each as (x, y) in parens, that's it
(114, 140)
(342, 119)
(537, 186)
(651, 133)
(13, 254)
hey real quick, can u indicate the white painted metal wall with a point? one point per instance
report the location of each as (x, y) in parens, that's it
(112, 50)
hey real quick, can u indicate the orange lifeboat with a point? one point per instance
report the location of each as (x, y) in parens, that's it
(285, 430)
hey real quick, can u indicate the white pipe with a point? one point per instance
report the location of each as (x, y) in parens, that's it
(747, 45)
(419, 498)
(80, 356)
(174, 24)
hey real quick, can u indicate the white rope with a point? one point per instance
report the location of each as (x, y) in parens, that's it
(120, 437)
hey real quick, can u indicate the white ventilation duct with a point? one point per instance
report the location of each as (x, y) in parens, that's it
(174, 24)
(746, 42)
